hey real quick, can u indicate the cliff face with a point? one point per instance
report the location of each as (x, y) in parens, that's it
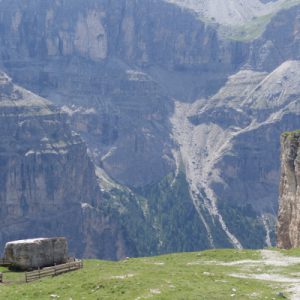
(142, 33)
(278, 42)
(288, 233)
(128, 76)
(113, 67)
(229, 145)
(116, 66)
(48, 183)
(231, 13)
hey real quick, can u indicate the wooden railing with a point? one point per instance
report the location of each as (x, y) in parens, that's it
(4, 262)
(53, 271)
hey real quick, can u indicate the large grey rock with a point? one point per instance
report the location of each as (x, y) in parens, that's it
(36, 253)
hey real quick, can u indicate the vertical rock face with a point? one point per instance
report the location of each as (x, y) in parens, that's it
(36, 253)
(48, 183)
(108, 58)
(128, 75)
(279, 41)
(288, 231)
(222, 147)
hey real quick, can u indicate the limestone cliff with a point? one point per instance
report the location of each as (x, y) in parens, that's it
(288, 233)
(230, 148)
(166, 106)
(48, 183)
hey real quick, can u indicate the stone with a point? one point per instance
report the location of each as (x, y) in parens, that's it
(288, 234)
(36, 253)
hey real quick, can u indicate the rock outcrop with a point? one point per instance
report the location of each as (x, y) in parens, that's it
(48, 185)
(288, 228)
(36, 253)
(230, 148)
(231, 12)
(165, 104)
(117, 65)
(279, 41)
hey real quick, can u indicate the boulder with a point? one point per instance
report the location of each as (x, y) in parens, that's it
(36, 253)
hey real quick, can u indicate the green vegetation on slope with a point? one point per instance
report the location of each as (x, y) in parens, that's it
(202, 275)
(248, 31)
(131, 212)
(291, 133)
(245, 224)
(171, 210)
(161, 218)
(255, 28)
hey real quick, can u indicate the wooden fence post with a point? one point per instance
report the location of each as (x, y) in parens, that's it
(52, 271)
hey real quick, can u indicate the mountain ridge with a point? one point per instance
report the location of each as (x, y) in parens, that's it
(165, 105)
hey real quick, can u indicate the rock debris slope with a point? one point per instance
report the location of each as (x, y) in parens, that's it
(220, 148)
(181, 122)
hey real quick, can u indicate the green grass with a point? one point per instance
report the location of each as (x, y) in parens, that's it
(254, 28)
(11, 277)
(248, 31)
(290, 252)
(291, 133)
(198, 275)
(228, 255)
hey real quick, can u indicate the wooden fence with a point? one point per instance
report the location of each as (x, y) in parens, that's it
(53, 271)
(4, 262)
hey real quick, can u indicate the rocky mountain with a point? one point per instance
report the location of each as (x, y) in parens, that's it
(220, 146)
(48, 183)
(180, 106)
(232, 12)
(236, 19)
(288, 219)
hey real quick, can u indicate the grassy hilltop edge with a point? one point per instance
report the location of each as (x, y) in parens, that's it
(213, 274)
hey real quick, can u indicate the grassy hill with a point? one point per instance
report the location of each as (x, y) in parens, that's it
(215, 274)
